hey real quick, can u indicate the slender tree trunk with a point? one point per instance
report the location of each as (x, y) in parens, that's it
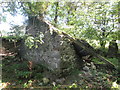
(56, 12)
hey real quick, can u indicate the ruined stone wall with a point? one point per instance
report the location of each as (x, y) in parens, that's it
(55, 52)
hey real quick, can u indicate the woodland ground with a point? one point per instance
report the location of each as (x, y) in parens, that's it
(17, 73)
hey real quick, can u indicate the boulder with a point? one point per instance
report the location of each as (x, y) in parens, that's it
(51, 48)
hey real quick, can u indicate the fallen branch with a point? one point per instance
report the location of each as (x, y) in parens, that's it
(91, 51)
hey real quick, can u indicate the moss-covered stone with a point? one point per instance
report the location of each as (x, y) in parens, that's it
(56, 52)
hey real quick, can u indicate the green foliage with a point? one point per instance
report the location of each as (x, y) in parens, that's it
(35, 8)
(94, 21)
(75, 71)
(13, 38)
(97, 61)
(19, 72)
(27, 84)
(114, 61)
(23, 74)
(31, 41)
(56, 87)
(38, 76)
(98, 25)
(115, 86)
(91, 21)
(74, 85)
(21, 69)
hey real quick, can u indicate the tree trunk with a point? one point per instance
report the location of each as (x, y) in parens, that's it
(113, 48)
(56, 12)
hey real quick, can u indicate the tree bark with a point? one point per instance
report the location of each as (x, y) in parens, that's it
(56, 12)
(113, 48)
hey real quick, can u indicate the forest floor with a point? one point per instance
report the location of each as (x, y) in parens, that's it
(18, 73)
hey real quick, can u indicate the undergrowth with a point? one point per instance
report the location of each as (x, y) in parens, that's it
(18, 74)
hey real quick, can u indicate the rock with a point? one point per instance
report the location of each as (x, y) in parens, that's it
(54, 83)
(93, 66)
(14, 84)
(40, 84)
(45, 80)
(88, 64)
(87, 75)
(86, 68)
(55, 52)
(31, 87)
(60, 81)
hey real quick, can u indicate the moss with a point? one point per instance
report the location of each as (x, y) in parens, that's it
(68, 56)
